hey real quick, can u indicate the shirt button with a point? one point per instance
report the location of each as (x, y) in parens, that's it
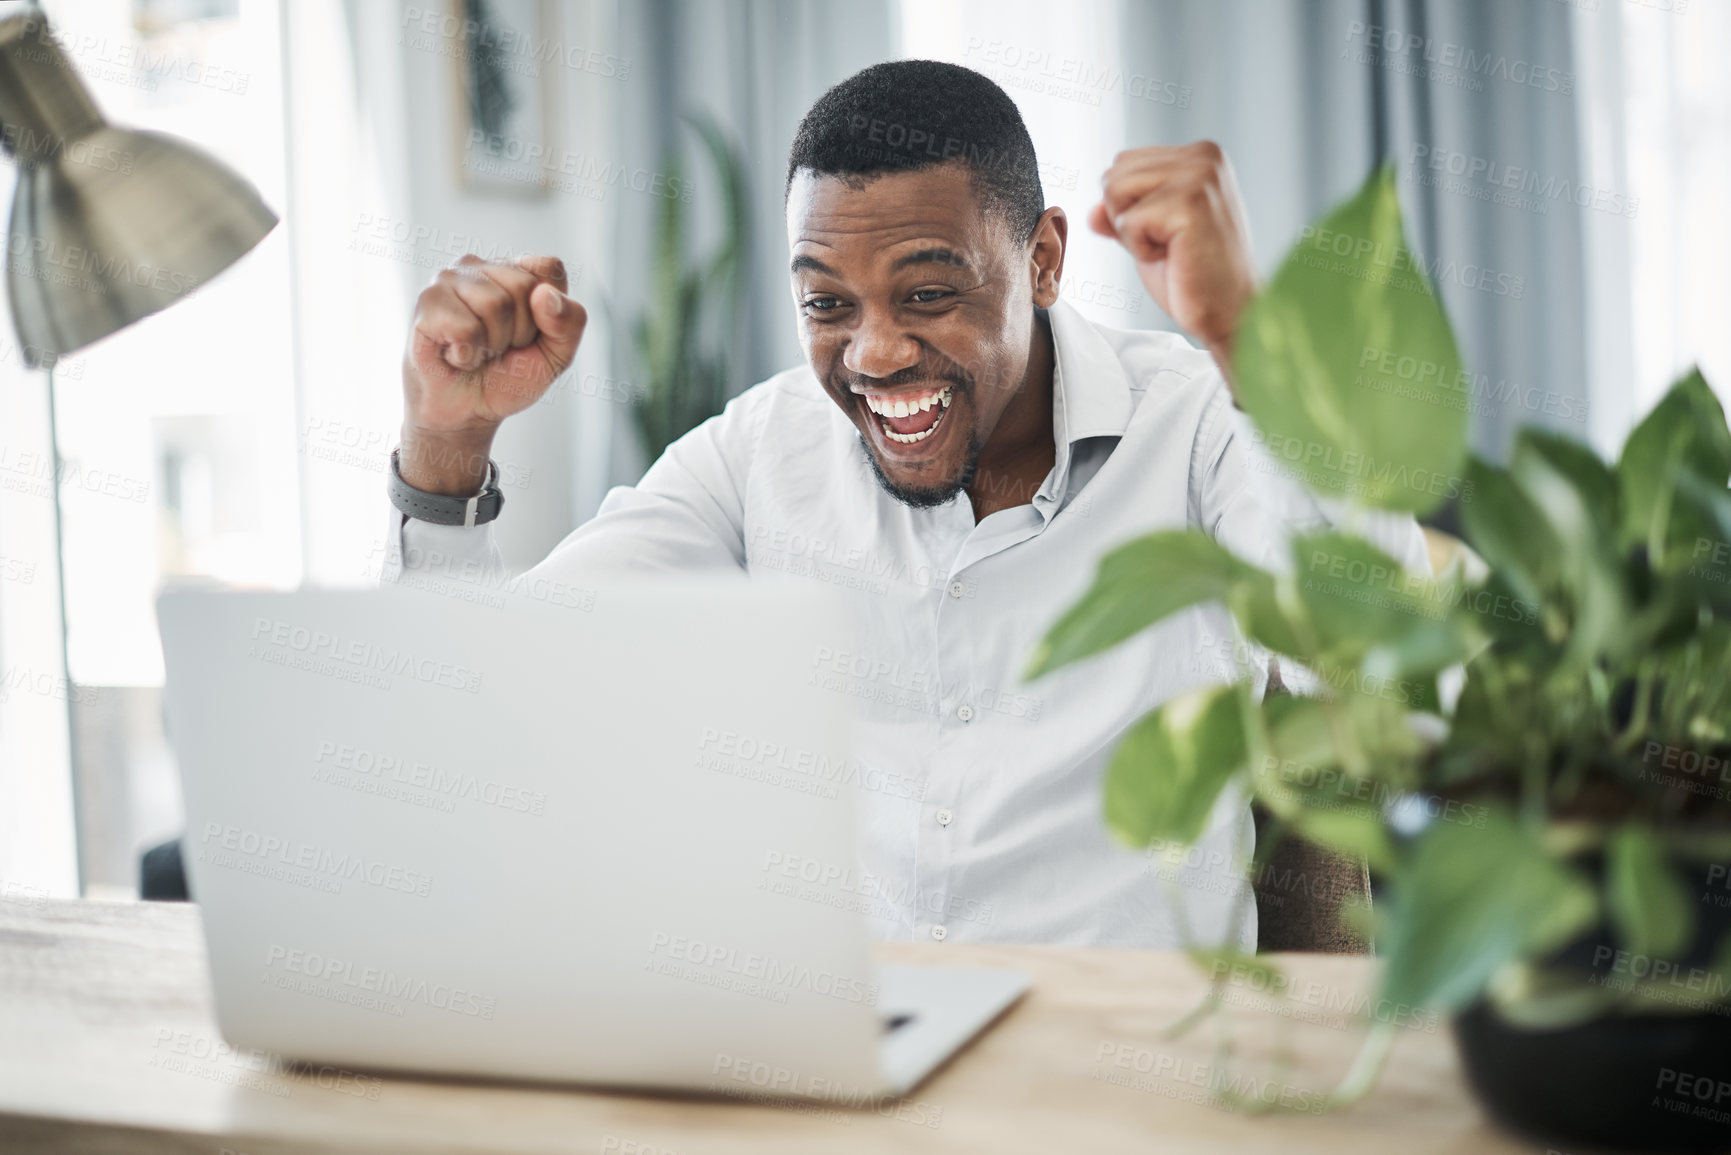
(944, 817)
(965, 712)
(940, 932)
(957, 589)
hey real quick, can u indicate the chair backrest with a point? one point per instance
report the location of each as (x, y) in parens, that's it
(1300, 892)
(1302, 888)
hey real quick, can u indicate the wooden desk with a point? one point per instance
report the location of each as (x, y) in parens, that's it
(104, 1011)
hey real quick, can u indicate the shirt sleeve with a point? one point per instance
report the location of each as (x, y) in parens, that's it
(687, 514)
(1254, 506)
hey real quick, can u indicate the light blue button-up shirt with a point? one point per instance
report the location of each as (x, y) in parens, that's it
(981, 811)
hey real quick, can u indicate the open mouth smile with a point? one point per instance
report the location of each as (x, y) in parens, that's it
(908, 419)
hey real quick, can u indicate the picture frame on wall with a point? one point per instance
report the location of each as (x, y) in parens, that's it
(504, 81)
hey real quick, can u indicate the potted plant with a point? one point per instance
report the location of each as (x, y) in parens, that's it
(1543, 792)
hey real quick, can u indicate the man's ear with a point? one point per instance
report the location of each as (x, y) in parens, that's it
(1046, 255)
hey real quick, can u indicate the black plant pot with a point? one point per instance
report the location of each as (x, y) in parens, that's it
(1650, 1082)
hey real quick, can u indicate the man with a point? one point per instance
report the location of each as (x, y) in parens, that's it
(956, 454)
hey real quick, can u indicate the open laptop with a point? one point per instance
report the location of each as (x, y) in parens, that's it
(589, 835)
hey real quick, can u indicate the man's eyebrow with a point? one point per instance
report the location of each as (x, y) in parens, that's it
(803, 262)
(931, 256)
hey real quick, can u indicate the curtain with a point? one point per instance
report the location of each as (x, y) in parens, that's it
(1472, 99)
(756, 66)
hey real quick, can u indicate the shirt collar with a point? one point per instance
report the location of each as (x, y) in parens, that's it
(1089, 388)
(1090, 394)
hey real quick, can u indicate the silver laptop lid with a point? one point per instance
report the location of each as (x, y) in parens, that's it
(527, 839)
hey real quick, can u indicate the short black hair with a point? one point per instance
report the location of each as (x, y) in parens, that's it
(912, 114)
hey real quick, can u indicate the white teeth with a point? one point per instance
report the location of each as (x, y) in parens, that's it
(910, 438)
(902, 407)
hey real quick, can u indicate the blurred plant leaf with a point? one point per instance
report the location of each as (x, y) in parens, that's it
(1510, 532)
(1469, 900)
(1646, 901)
(1355, 831)
(1362, 604)
(1169, 769)
(1686, 431)
(1312, 354)
(1136, 585)
(683, 341)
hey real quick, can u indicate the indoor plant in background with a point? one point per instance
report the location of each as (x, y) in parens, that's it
(684, 341)
(1552, 832)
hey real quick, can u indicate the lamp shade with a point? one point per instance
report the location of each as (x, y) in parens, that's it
(108, 225)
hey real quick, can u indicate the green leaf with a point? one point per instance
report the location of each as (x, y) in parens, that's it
(1361, 604)
(1348, 365)
(1138, 584)
(1265, 609)
(1510, 532)
(1469, 900)
(1685, 431)
(1585, 470)
(1168, 771)
(1647, 902)
(1358, 832)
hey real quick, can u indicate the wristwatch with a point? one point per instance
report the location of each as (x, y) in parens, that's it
(438, 509)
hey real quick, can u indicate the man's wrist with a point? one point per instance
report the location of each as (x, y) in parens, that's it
(443, 509)
(448, 464)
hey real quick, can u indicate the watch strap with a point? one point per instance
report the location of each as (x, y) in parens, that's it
(437, 508)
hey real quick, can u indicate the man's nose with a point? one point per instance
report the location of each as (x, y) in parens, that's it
(879, 348)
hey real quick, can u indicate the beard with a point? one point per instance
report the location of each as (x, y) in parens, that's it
(928, 496)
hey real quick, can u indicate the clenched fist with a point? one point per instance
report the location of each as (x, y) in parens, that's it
(1178, 212)
(488, 339)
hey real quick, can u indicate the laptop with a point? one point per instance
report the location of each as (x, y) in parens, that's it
(556, 833)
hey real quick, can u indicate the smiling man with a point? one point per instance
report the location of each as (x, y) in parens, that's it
(956, 454)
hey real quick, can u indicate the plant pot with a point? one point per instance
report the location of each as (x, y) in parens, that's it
(1640, 1082)
(1631, 1083)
